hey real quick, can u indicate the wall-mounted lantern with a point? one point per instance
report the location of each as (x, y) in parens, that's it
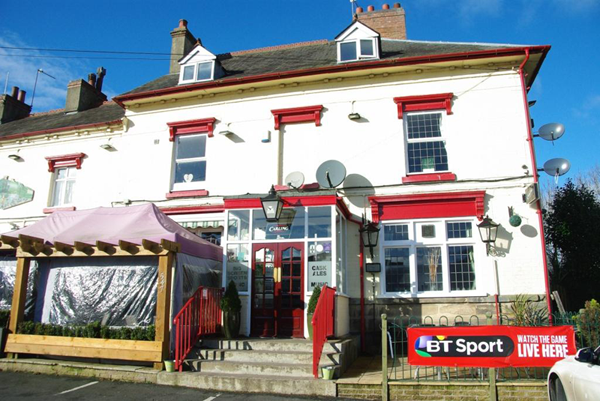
(488, 230)
(370, 235)
(272, 205)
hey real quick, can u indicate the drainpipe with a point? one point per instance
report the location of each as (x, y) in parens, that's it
(536, 181)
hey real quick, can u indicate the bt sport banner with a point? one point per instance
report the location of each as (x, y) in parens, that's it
(490, 346)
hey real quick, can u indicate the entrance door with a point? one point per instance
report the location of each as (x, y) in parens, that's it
(277, 291)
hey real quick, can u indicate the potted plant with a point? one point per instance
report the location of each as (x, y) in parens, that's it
(231, 305)
(4, 319)
(310, 311)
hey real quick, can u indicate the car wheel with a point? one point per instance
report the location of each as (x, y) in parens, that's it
(557, 391)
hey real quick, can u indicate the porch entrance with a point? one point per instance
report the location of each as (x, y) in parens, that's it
(277, 290)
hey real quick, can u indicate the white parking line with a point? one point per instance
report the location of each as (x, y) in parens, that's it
(212, 398)
(79, 388)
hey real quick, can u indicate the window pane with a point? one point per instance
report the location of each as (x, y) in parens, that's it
(397, 270)
(462, 268)
(204, 71)
(319, 222)
(71, 172)
(398, 232)
(366, 47)
(460, 230)
(190, 146)
(290, 224)
(238, 266)
(238, 227)
(58, 189)
(423, 125)
(319, 264)
(188, 72)
(61, 173)
(348, 51)
(190, 172)
(423, 156)
(429, 269)
(69, 187)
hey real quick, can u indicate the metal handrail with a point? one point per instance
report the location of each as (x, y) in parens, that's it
(200, 316)
(323, 324)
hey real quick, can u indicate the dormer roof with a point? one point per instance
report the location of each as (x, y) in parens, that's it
(356, 30)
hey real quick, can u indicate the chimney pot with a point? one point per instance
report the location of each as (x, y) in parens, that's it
(370, 8)
(182, 23)
(15, 91)
(21, 97)
(92, 79)
(386, 7)
(389, 23)
(359, 10)
(397, 5)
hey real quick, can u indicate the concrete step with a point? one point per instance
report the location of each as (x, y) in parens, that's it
(243, 356)
(269, 344)
(254, 368)
(250, 383)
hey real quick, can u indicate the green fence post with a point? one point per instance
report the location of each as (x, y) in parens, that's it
(384, 362)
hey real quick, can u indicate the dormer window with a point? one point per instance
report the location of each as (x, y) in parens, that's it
(357, 42)
(198, 72)
(198, 66)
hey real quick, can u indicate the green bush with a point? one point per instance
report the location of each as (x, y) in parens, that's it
(588, 324)
(4, 319)
(91, 330)
(312, 302)
(231, 299)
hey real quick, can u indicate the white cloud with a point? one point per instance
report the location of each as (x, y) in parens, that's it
(577, 6)
(49, 93)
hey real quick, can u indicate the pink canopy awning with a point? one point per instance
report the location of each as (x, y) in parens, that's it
(132, 224)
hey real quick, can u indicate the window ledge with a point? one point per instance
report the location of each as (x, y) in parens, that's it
(435, 177)
(49, 210)
(186, 194)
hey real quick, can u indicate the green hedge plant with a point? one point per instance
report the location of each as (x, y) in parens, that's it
(91, 330)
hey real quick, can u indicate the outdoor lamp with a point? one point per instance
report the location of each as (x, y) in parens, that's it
(272, 205)
(370, 236)
(488, 230)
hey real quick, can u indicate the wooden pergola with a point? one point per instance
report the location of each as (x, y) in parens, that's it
(28, 248)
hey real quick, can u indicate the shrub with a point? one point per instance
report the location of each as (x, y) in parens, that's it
(231, 299)
(312, 302)
(91, 330)
(527, 312)
(588, 324)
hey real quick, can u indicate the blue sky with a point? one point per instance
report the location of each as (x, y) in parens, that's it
(567, 89)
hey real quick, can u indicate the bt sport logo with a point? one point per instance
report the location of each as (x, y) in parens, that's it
(464, 346)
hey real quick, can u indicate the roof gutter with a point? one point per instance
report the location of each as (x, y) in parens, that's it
(53, 130)
(120, 100)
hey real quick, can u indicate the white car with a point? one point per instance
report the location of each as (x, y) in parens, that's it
(576, 378)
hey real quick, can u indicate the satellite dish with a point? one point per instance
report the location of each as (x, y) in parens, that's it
(295, 179)
(557, 167)
(331, 173)
(551, 131)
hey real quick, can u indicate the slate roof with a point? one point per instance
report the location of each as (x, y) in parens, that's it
(38, 123)
(315, 55)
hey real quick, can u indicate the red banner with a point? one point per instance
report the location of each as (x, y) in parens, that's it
(490, 346)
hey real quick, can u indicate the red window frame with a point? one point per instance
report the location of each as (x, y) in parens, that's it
(70, 160)
(204, 125)
(438, 101)
(298, 115)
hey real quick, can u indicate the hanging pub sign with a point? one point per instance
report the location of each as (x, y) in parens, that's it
(490, 346)
(13, 193)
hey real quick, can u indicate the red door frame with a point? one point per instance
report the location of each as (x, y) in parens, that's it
(272, 320)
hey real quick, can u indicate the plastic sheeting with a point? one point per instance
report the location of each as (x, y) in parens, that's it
(114, 291)
(8, 272)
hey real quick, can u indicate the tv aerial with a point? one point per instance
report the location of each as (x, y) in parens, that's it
(295, 179)
(556, 167)
(331, 174)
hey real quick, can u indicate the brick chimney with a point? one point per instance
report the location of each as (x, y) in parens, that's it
(182, 43)
(13, 107)
(388, 22)
(82, 95)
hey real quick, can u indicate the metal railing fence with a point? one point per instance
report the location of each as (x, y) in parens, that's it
(587, 335)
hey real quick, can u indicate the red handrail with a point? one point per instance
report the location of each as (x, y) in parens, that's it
(200, 316)
(322, 322)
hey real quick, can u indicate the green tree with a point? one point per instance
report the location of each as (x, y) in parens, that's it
(572, 227)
